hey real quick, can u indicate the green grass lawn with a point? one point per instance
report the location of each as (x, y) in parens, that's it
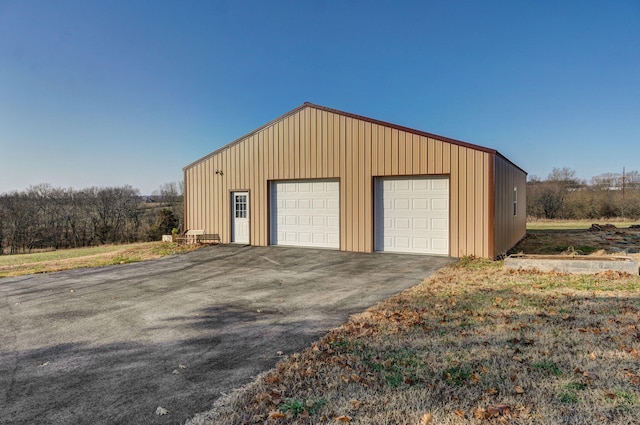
(63, 254)
(98, 256)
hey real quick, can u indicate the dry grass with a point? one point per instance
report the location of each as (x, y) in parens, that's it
(475, 344)
(541, 224)
(106, 255)
(617, 241)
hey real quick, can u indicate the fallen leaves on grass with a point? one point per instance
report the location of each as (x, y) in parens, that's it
(355, 403)
(590, 375)
(426, 419)
(503, 352)
(497, 410)
(276, 415)
(633, 377)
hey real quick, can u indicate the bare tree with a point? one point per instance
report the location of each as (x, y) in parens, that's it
(607, 181)
(565, 176)
(46, 217)
(171, 195)
(116, 218)
(562, 195)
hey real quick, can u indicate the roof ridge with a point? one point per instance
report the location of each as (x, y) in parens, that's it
(308, 104)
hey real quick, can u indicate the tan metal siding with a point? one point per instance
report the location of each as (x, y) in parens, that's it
(454, 204)
(312, 143)
(508, 229)
(367, 196)
(402, 154)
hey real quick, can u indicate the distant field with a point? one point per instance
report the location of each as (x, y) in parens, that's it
(98, 256)
(62, 254)
(575, 224)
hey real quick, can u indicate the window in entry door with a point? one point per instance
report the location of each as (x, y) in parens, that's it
(241, 206)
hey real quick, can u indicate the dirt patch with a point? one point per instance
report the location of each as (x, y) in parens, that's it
(599, 239)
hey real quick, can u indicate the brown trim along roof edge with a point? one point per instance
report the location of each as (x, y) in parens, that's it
(511, 162)
(359, 117)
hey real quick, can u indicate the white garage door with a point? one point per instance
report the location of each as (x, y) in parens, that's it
(412, 215)
(306, 213)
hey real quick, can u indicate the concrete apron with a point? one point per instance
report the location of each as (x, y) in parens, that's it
(571, 264)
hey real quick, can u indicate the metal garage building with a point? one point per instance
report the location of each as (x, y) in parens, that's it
(319, 177)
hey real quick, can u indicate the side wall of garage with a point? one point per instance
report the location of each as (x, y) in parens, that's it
(510, 205)
(313, 142)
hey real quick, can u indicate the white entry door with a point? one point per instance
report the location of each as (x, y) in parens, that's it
(240, 217)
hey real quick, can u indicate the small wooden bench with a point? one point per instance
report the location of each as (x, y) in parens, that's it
(209, 238)
(190, 236)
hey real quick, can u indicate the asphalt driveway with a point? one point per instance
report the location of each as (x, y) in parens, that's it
(110, 345)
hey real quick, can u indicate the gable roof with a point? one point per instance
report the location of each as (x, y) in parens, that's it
(358, 117)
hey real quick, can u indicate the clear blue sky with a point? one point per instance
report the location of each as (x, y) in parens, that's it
(106, 93)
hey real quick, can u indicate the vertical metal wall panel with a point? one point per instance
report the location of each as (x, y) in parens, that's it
(431, 156)
(350, 185)
(415, 154)
(372, 134)
(258, 197)
(355, 216)
(402, 154)
(312, 135)
(188, 197)
(490, 205)
(394, 151)
(246, 180)
(315, 142)
(381, 146)
(322, 147)
(462, 202)
(306, 142)
(206, 171)
(470, 189)
(480, 203)
(363, 211)
(386, 142)
(294, 143)
(454, 210)
(367, 199)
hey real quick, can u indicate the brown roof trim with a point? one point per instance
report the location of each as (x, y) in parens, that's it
(511, 162)
(362, 118)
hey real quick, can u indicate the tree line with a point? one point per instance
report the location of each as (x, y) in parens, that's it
(43, 217)
(563, 196)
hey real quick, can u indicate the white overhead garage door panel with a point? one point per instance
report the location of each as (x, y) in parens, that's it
(412, 215)
(306, 213)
